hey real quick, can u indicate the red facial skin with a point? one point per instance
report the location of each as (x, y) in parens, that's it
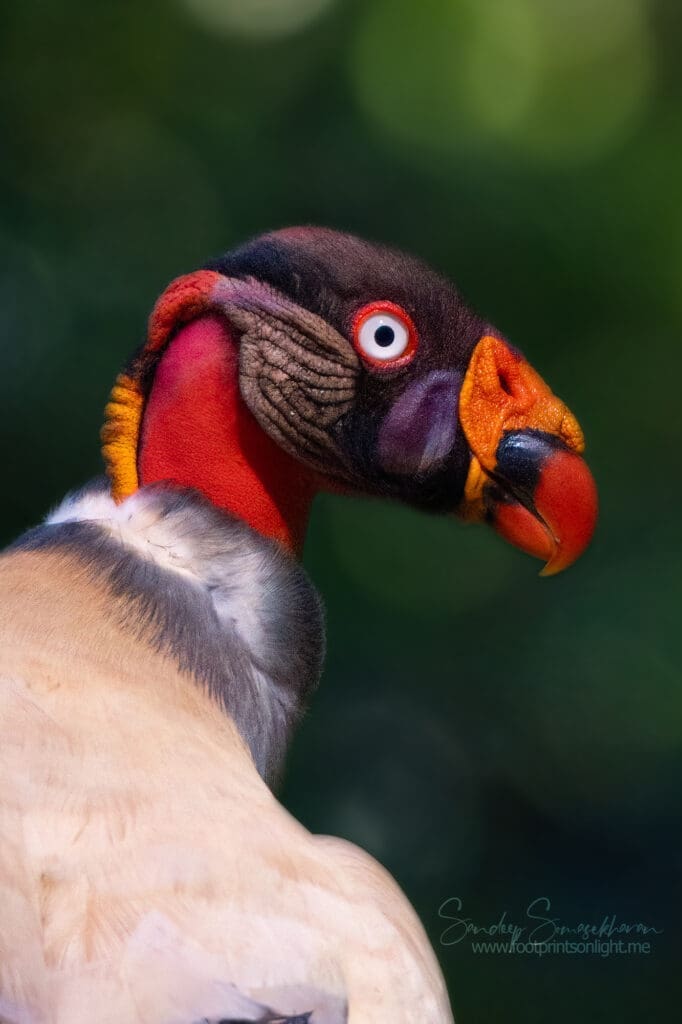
(197, 432)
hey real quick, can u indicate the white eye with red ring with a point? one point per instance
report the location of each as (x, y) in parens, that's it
(384, 335)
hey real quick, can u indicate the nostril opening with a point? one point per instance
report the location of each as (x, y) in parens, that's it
(505, 383)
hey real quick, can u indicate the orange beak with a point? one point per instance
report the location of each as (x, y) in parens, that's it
(526, 475)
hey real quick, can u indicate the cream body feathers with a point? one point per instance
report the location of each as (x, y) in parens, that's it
(147, 873)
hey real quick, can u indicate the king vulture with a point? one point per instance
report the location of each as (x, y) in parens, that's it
(159, 639)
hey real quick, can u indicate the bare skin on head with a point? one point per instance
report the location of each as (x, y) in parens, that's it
(159, 642)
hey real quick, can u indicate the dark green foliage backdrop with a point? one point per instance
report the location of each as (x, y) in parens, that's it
(486, 734)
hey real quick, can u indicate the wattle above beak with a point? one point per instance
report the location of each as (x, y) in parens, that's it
(526, 477)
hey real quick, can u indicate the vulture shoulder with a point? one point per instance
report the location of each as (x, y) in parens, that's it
(154, 657)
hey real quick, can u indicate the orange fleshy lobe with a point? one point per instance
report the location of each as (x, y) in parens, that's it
(502, 392)
(184, 299)
(120, 433)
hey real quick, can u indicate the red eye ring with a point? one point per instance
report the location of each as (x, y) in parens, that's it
(390, 317)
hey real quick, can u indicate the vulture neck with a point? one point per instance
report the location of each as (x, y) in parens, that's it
(232, 610)
(197, 432)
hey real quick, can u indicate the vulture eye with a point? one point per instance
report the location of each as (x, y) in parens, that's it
(384, 335)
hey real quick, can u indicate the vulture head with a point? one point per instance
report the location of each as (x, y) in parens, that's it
(312, 360)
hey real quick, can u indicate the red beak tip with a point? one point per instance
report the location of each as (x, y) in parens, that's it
(561, 528)
(567, 499)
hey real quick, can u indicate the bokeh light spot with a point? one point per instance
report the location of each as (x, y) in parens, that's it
(259, 19)
(549, 80)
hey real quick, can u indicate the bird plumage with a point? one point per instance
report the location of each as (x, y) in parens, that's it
(159, 641)
(148, 873)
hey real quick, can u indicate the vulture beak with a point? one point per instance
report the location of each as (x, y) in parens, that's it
(526, 476)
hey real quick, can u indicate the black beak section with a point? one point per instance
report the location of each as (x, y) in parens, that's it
(542, 498)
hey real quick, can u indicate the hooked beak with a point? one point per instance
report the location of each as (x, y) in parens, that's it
(526, 475)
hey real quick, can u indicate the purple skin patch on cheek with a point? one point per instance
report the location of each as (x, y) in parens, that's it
(418, 432)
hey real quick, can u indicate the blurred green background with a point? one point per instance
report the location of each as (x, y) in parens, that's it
(486, 734)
